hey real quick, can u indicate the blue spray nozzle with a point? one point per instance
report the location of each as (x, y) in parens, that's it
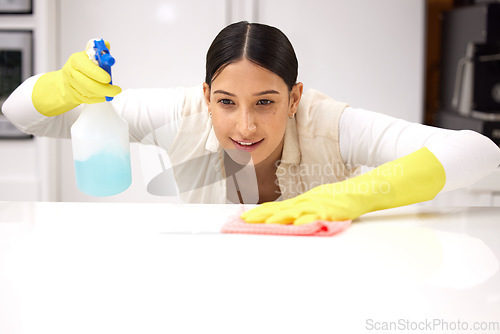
(104, 58)
(107, 60)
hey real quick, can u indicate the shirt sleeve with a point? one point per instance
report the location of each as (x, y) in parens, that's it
(370, 139)
(153, 115)
(147, 111)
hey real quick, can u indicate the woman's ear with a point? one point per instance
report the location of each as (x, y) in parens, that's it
(295, 96)
(206, 92)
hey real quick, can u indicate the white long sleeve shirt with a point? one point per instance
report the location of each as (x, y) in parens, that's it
(366, 138)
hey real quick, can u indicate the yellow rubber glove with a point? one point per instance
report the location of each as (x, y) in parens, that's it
(414, 178)
(79, 81)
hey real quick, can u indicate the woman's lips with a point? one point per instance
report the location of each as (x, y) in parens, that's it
(245, 145)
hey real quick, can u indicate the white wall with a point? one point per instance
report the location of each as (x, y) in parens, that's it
(155, 44)
(368, 53)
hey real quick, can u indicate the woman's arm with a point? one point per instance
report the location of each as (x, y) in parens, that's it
(20, 111)
(145, 110)
(153, 115)
(49, 103)
(371, 139)
(413, 164)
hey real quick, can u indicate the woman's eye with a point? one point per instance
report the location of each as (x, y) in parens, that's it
(264, 102)
(226, 102)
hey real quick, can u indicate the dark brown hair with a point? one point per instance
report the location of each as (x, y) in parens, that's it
(263, 45)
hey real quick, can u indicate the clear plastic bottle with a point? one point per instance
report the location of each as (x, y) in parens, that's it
(101, 150)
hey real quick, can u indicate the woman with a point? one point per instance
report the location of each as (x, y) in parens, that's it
(252, 135)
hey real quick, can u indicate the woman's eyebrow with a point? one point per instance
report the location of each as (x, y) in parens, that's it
(265, 92)
(271, 91)
(219, 91)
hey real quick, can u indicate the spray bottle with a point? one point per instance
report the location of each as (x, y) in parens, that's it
(100, 140)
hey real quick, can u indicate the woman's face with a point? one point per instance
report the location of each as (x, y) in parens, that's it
(250, 107)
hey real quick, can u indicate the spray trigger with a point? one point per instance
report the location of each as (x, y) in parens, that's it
(99, 53)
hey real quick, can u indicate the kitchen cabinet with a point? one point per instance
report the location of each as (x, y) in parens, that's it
(28, 167)
(19, 178)
(485, 192)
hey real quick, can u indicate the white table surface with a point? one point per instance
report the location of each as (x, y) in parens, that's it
(165, 268)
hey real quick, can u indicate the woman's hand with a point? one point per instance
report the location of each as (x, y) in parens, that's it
(79, 81)
(326, 202)
(414, 178)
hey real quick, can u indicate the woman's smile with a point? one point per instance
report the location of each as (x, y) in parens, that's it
(246, 145)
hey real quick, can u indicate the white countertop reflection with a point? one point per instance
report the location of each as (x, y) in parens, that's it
(165, 268)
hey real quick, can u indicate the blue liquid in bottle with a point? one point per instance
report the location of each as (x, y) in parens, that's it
(103, 174)
(101, 151)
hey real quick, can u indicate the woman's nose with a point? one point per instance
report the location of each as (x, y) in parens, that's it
(247, 121)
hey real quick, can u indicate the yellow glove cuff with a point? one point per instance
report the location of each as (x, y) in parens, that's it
(47, 98)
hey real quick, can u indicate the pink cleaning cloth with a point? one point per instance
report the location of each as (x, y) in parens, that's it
(317, 228)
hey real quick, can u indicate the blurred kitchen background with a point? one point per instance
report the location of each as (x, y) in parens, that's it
(381, 55)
